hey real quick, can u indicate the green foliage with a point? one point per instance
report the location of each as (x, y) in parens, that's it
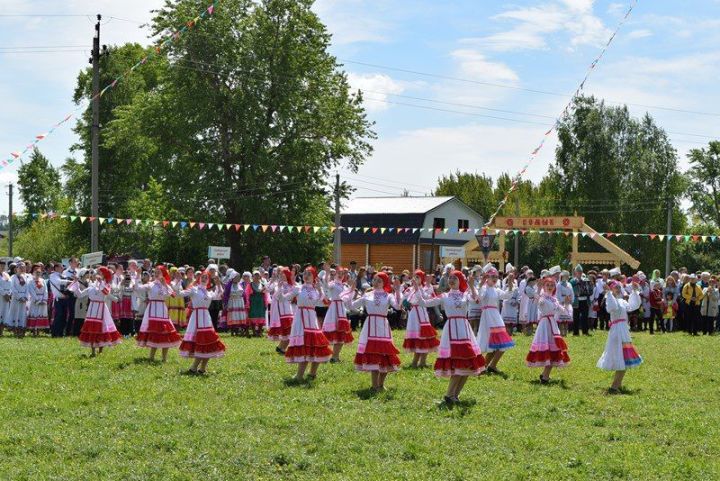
(39, 184)
(148, 421)
(46, 240)
(241, 125)
(475, 190)
(704, 177)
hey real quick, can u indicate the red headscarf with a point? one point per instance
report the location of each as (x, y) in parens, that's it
(386, 281)
(461, 280)
(106, 273)
(288, 275)
(166, 275)
(421, 275)
(209, 282)
(313, 271)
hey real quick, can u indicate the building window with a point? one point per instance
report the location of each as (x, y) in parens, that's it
(463, 224)
(439, 223)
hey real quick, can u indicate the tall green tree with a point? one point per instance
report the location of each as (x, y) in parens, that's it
(620, 173)
(475, 190)
(39, 183)
(247, 119)
(704, 177)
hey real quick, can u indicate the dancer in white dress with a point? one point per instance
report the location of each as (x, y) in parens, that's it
(19, 297)
(620, 353)
(492, 336)
(5, 297)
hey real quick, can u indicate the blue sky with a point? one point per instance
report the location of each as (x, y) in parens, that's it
(665, 57)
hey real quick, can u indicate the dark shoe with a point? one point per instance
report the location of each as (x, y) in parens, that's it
(543, 380)
(311, 377)
(448, 400)
(334, 361)
(279, 351)
(612, 390)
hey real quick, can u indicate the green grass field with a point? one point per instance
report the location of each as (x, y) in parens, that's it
(67, 416)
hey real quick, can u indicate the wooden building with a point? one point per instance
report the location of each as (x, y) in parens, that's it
(426, 223)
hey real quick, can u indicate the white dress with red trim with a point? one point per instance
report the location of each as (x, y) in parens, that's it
(5, 293)
(38, 305)
(459, 353)
(201, 341)
(236, 311)
(157, 330)
(565, 296)
(116, 286)
(620, 353)
(281, 312)
(420, 335)
(511, 308)
(548, 347)
(99, 329)
(376, 350)
(492, 335)
(20, 292)
(307, 341)
(336, 326)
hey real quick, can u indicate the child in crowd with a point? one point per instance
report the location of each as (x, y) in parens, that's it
(669, 311)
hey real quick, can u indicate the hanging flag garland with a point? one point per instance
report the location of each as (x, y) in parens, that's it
(375, 230)
(566, 111)
(156, 51)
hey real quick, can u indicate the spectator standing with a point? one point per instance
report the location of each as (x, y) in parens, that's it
(692, 295)
(709, 306)
(583, 291)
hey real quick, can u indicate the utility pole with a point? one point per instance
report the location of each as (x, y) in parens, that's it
(668, 240)
(95, 138)
(10, 220)
(337, 220)
(516, 257)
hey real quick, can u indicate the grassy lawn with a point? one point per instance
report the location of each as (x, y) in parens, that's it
(66, 416)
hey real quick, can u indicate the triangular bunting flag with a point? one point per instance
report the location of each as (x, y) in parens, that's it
(307, 229)
(273, 228)
(72, 218)
(210, 226)
(365, 230)
(695, 237)
(653, 236)
(704, 238)
(712, 238)
(661, 237)
(165, 223)
(101, 220)
(201, 225)
(191, 224)
(374, 230)
(246, 227)
(183, 224)
(678, 238)
(350, 229)
(174, 223)
(592, 235)
(237, 227)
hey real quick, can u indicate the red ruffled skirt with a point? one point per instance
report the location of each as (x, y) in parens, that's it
(315, 348)
(427, 342)
(93, 334)
(342, 334)
(205, 345)
(546, 356)
(380, 355)
(281, 333)
(160, 334)
(462, 361)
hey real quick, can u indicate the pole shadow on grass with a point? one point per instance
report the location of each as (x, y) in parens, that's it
(294, 382)
(368, 393)
(140, 361)
(462, 407)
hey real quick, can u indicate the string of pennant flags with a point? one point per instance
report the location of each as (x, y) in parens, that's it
(157, 50)
(314, 229)
(565, 112)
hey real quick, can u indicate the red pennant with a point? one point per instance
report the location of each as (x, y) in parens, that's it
(374, 230)
(273, 228)
(695, 238)
(307, 229)
(653, 236)
(238, 227)
(128, 221)
(92, 219)
(201, 225)
(165, 223)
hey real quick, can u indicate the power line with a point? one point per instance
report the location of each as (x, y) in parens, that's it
(514, 87)
(424, 107)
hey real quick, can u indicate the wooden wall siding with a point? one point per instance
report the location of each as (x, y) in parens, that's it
(399, 256)
(353, 252)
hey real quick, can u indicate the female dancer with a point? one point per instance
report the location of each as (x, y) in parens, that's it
(510, 307)
(201, 342)
(234, 302)
(459, 355)
(157, 330)
(376, 351)
(420, 335)
(38, 311)
(307, 342)
(565, 296)
(620, 353)
(492, 336)
(281, 310)
(474, 309)
(548, 348)
(336, 326)
(98, 330)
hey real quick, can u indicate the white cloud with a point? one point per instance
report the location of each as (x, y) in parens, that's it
(640, 33)
(355, 21)
(475, 65)
(533, 25)
(376, 88)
